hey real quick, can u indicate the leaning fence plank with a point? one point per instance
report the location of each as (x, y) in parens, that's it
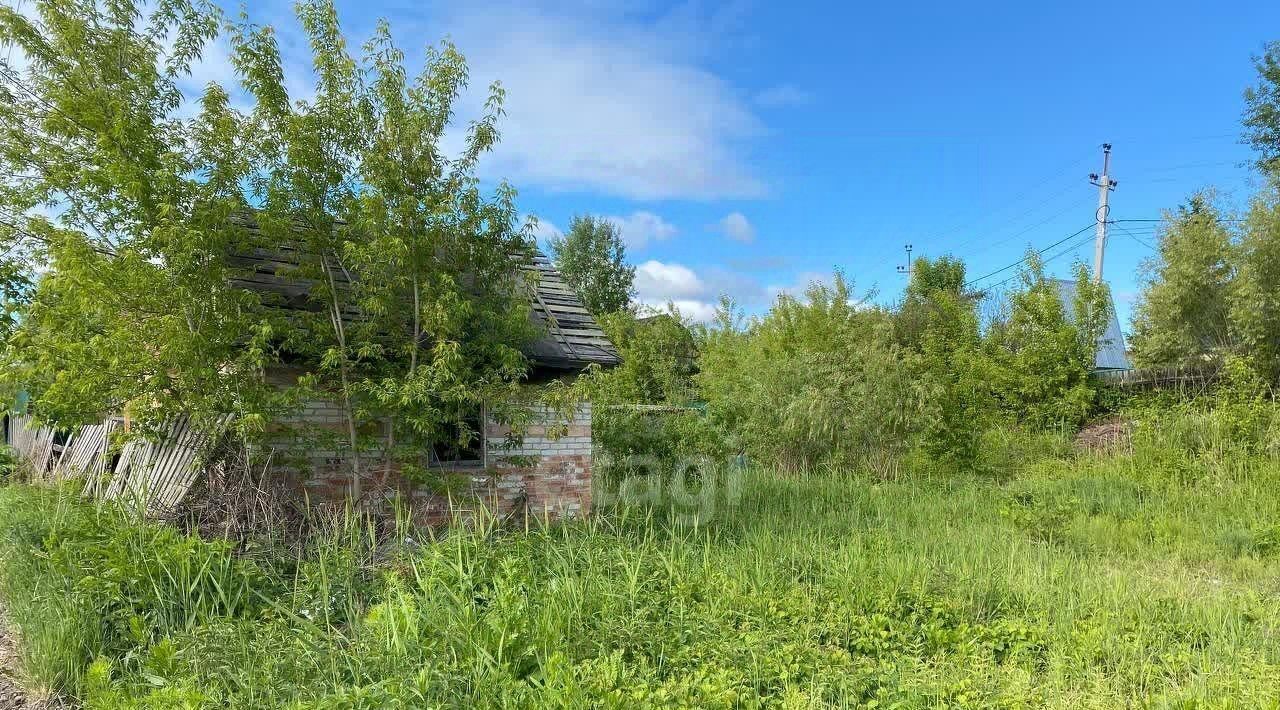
(82, 451)
(157, 475)
(34, 444)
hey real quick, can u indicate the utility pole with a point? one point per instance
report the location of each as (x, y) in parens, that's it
(906, 270)
(1105, 186)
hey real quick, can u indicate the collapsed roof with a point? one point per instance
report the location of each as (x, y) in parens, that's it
(569, 340)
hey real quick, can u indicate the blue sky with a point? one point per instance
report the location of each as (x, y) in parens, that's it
(749, 147)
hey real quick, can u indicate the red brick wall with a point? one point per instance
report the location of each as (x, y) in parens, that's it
(558, 484)
(545, 475)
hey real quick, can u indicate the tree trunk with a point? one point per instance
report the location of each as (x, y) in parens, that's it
(335, 313)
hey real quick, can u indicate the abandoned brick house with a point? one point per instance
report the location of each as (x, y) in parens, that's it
(547, 472)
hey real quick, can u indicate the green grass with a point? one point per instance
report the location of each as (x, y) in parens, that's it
(1147, 579)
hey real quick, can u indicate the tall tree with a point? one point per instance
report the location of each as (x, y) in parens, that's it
(1262, 110)
(593, 260)
(416, 311)
(939, 321)
(402, 233)
(1184, 310)
(133, 310)
(1255, 308)
(930, 278)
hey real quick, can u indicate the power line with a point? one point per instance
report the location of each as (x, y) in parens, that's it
(1135, 238)
(1012, 202)
(1024, 259)
(1041, 223)
(1047, 259)
(1216, 219)
(1192, 166)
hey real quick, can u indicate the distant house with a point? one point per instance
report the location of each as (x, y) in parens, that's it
(1111, 350)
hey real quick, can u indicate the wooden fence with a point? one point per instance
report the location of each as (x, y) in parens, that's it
(1195, 376)
(155, 475)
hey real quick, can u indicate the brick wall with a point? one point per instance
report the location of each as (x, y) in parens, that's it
(547, 474)
(550, 475)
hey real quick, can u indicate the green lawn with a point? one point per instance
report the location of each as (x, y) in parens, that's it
(1141, 579)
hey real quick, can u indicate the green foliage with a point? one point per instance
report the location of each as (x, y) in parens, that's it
(591, 257)
(15, 281)
(1212, 293)
(401, 232)
(8, 463)
(659, 361)
(1041, 357)
(1208, 292)
(918, 310)
(83, 582)
(816, 378)
(1184, 311)
(1262, 110)
(1255, 310)
(1099, 580)
(137, 312)
(939, 322)
(135, 305)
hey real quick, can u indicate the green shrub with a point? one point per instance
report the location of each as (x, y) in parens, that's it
(816, 379)
(8, 463)
(645, 412)
(1039, 359)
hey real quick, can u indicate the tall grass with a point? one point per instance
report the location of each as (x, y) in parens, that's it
(1143, 578)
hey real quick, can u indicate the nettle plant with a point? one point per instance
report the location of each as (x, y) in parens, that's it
(134, 309)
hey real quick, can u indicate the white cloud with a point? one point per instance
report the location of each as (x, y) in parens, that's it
(737, 227)
(695, 294)
(604, 103)
(697, 311)
(691, 309)
(657, 281)
(640, 228)
(598, 97)
(782, 95)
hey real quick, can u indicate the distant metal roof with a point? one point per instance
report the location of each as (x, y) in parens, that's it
(1111, 351)
(570, 339)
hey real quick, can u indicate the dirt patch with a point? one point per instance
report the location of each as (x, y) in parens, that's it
(1105, 435)
(12, 696)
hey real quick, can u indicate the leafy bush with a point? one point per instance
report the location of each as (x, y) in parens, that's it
(938, 322)
(1040, 358)
(8, 463)
(818, 378)
(644, 410)
(1186, 300)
